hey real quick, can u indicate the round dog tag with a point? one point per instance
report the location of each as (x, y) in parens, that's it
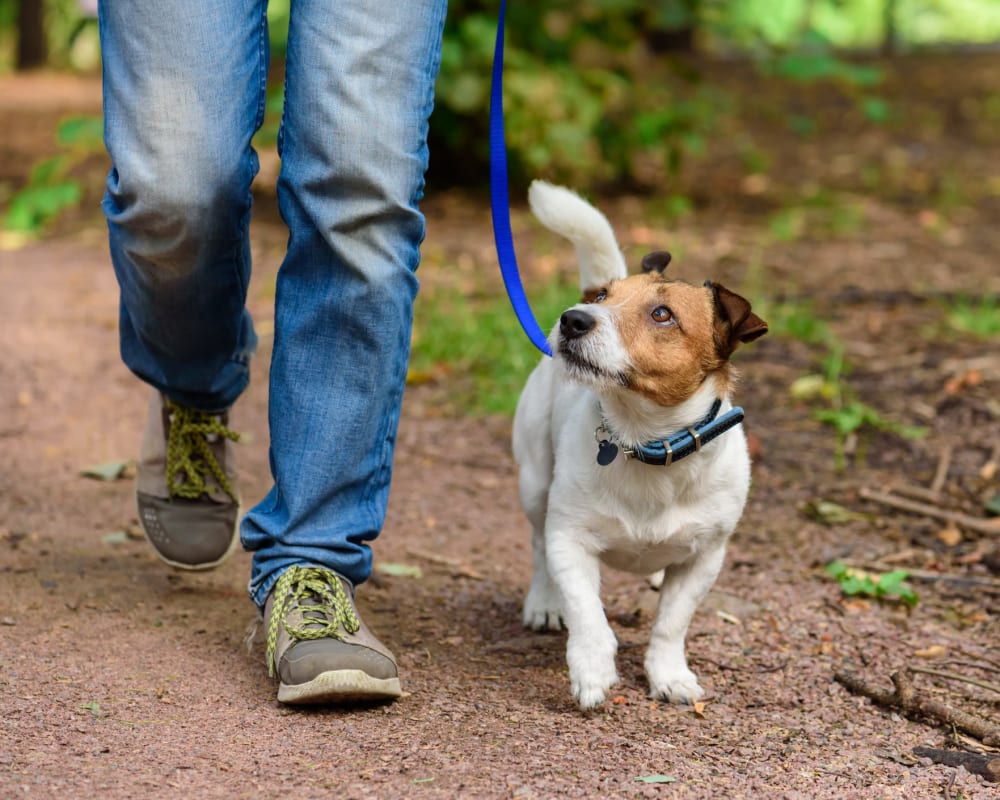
(606, 452)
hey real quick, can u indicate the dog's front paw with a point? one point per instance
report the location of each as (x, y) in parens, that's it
(592, 669)
(589, 697)
(680, 686)
(543, 609)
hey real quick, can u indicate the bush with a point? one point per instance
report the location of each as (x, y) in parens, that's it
(584, 98)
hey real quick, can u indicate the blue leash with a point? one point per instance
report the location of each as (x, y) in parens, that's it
(500, 201)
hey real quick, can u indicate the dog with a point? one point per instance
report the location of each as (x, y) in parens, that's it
(629, 450)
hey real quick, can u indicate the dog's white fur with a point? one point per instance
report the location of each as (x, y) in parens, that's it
(631, 516)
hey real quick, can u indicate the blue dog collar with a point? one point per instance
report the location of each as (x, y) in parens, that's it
(664, 452)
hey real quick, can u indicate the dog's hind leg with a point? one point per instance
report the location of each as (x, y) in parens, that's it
(543, 605)
(684, 587)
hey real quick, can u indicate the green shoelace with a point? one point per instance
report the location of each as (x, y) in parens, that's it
(326, 609)
(190, 460)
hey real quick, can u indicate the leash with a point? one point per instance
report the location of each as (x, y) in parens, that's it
(500, 201)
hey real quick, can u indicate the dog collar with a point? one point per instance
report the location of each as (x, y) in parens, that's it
(664, 452)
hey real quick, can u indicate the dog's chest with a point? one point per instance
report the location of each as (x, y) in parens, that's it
(647, 545)
(643, 532)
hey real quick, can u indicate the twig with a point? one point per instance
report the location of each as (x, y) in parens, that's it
(941, 473)
(916, 492)
(458, 568)
(906, 699)
(988, 470)
(954, 676)
(951, 782)
(986, 765)
(984, 664)
(913, 507)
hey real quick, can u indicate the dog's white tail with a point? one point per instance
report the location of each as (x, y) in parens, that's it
(569, 215)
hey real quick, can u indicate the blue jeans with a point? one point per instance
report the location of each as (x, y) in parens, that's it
(184, 91)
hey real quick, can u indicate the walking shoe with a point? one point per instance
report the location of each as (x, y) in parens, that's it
(317, 644)
(186, 485)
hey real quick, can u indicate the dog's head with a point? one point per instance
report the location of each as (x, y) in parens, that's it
(658, 337)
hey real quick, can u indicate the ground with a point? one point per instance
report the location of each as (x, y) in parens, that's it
(121, 678)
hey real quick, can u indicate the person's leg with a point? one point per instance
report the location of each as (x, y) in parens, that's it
(184, 89)
(183, 94)
(359, 90)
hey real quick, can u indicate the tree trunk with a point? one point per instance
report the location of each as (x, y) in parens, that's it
(32, 50)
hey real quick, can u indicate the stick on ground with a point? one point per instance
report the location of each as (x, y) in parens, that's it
(987, 765)
(905, 698)
(924, 509)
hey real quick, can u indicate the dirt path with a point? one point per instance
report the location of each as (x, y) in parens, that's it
(120, 678)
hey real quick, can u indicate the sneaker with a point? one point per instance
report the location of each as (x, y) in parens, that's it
(318, 646)
(186, 485)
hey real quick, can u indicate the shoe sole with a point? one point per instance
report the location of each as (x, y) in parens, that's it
(340, 686)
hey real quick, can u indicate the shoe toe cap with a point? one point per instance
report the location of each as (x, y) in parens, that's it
(191, 534)
(307, 659)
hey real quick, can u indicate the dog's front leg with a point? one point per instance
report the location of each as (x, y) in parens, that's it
(684, 587)
(591, 645)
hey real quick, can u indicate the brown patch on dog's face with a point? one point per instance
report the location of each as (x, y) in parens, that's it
(591, 295)
(676, 334)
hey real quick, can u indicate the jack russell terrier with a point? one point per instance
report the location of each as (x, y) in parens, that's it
(630, 451)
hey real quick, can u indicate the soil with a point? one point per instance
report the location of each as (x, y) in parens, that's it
(120, 678)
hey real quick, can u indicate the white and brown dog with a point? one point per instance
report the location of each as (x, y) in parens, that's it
(629, 449)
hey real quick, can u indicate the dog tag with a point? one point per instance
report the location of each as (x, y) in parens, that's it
(606, 452)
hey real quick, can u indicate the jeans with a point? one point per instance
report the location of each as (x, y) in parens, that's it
(184, 92)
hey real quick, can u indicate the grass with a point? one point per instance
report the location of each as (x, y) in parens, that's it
(979, 317)
(478, 340)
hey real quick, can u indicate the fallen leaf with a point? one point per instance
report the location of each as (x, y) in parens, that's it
(619, 700)
(108, 471)
(93, 707)
(699, 708)
(656, 779)
(934, 651)
(400, 570)
(949, 536)
(115, 537)
(992, 505)
(832, 513)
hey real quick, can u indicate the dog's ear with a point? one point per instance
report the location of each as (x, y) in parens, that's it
(734, 321)
(656, 261)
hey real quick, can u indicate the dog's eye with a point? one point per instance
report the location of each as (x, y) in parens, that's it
(601, 296)
(662, 315)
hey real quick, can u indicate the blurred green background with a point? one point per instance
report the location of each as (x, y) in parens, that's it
(598, 92)
(778, 144)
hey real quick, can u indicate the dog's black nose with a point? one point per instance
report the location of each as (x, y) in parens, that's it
(575, 323)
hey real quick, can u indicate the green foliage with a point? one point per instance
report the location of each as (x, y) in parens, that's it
(821, 213)
(889, 585)
(979, 317)
(583, 100)
(854, 415)
(848, 415)
(480, 338)
(51, 187)
(795, 320)
(841, 409)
